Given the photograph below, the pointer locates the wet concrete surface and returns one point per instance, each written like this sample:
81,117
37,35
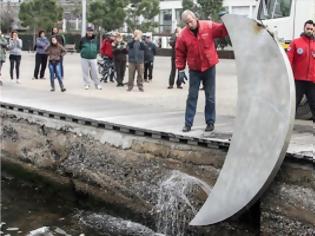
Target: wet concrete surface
157,109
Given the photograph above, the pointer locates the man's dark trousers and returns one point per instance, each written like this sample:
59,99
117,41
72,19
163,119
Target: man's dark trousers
148,68
307,88
172,74
40,62
120,68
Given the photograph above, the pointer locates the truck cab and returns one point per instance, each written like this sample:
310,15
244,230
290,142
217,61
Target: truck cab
285,18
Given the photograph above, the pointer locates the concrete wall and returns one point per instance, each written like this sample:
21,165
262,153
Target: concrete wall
126,171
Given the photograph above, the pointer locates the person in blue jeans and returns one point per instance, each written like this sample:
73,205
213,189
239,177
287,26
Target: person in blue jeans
195,46
55,52
55,32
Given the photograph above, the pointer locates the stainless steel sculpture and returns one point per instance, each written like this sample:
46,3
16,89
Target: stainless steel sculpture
265,115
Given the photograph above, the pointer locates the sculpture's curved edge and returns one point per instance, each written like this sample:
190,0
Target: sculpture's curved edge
200,217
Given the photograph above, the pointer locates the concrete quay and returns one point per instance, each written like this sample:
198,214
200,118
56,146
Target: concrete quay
119,146
157,109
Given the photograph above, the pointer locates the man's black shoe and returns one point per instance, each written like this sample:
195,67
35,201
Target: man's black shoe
186,129
209,128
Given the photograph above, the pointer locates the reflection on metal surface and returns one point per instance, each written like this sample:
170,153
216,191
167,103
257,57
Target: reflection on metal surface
265,115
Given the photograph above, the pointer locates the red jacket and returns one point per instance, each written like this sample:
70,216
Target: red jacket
107,48
200,52
301,53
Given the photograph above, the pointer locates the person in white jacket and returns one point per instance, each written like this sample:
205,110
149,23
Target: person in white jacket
15,48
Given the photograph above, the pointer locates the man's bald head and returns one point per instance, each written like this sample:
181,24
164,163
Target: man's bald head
190,19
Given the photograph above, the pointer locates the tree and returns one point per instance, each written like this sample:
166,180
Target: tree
7,17
77,10
210,8
38,14
188,4
147,9
204,9
108,14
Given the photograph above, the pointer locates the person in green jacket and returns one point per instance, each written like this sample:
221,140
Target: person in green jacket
3,47
88,52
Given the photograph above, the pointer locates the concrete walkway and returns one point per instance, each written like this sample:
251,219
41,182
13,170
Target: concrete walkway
158,108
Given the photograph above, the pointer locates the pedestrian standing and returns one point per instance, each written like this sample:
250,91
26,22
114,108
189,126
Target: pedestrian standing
136,60
301,53
55,52
15,47
61,40
41,56
88,52
173,69
3,47
195,45
107,54
120,58
149,53
106,46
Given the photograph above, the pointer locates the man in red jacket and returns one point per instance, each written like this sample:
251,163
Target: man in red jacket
195,45
301,53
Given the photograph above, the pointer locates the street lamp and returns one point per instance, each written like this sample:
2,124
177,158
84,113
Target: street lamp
83,29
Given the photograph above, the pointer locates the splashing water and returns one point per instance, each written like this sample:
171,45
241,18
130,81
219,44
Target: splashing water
173,207
110,225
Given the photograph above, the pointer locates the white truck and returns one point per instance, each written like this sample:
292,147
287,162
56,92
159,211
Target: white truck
285,19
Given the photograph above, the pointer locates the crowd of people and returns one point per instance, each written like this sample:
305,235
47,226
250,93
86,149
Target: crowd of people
194,45
139,52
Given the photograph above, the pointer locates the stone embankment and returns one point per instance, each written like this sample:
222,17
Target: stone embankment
126,171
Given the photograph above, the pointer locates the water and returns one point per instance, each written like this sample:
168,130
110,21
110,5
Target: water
110,225
33,209
174,208
28,206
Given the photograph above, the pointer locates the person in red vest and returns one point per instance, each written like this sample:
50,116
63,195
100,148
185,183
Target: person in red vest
301,53
107,51
195,45
106,47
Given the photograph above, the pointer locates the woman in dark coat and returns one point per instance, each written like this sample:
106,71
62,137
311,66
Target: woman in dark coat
120,58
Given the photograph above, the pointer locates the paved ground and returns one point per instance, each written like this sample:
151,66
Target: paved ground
157,108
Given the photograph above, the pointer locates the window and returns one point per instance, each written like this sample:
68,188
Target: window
167,17
271,9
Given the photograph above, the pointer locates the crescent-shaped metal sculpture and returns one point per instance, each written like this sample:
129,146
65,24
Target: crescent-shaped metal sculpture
263,125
